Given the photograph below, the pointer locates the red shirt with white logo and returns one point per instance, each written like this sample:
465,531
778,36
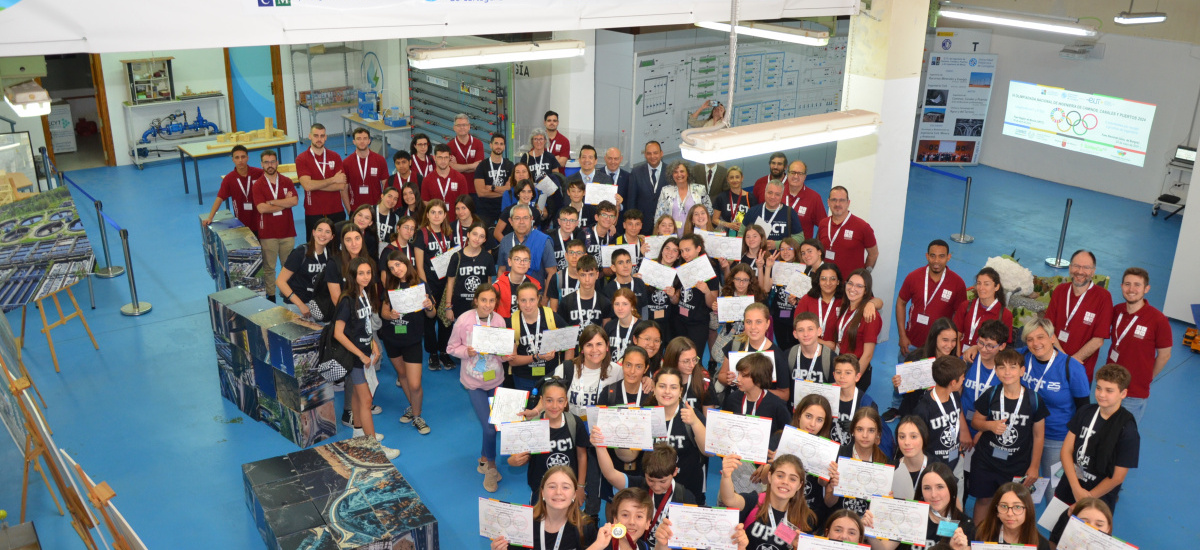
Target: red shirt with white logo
846,244
943,299
1091,319
364,178
276,225
968,318
826,315
236,188
1135,338
560,146
320,167
809,207
446,188
465,154
868,333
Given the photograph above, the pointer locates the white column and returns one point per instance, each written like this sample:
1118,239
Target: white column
572,91
883,71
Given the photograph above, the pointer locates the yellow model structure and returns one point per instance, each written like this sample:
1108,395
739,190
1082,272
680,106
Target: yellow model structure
268,133
10,184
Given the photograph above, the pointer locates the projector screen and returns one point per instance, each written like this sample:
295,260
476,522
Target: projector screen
1109,127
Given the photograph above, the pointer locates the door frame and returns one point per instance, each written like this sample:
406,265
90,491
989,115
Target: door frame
276,89
106,140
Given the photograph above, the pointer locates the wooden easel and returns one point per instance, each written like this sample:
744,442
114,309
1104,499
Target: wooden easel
100,495
37,447
62,320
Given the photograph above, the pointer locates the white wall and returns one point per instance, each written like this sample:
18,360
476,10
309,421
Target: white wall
1153,71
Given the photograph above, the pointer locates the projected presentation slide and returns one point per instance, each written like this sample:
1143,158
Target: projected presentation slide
1110,127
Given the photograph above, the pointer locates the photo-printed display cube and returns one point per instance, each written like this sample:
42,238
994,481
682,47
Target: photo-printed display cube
343,495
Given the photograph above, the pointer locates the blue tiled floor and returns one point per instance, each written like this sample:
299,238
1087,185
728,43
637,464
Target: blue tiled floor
144,412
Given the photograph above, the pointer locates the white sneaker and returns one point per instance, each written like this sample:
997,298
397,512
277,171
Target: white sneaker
358,432
391,454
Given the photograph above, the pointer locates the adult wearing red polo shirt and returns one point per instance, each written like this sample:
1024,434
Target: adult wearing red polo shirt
443,182
1081,312
935,292
321,176
467,151
235,186
807,204
274,196
365,172
1141,339
556,143
848,240
776,164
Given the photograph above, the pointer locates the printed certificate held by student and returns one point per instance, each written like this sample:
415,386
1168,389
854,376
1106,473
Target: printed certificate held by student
900,520
792,277
656,275
814,452
625,427
496,341
656,243
699,527
514,522
442,262
732,308
531,437
831,393
596,193
695,272
810,542
915,375
606,252
559,339
720,246
862,479
658,421
1081,536
408,300
735,434
507,405
976,545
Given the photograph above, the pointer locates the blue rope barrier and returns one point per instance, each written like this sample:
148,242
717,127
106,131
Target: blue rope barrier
94,200
936,171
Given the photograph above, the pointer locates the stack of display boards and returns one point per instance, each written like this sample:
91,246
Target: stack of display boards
232,254
267,361
343,495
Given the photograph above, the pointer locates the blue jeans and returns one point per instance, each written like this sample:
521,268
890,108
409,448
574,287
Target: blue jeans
896,397
1051,450
479,402
1137,406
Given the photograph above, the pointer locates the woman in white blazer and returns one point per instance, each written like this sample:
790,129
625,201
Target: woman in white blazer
675,201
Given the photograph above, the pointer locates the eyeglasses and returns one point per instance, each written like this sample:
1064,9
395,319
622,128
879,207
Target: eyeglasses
1016,508
741,280
855,285
795,173
693,361
516,260
1083,267
607,216
576,253
989,347
567,220
521,218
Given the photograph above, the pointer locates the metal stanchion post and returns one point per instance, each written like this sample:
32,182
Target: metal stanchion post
1058,261
134,307
46,169
962,236
108,271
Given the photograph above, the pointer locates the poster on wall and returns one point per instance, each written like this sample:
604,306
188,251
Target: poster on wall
954,105
1104,126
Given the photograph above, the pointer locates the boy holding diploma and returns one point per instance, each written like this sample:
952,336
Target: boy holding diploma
659,468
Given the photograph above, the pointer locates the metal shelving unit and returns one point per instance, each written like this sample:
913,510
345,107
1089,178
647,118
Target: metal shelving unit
437,95
344,50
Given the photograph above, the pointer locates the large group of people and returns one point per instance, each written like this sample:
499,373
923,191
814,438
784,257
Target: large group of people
526,253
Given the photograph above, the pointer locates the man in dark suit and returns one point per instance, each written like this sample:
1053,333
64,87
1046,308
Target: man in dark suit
587,171
612,167
712,177
647,180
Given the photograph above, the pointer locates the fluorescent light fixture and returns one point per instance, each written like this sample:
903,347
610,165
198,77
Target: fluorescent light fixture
27,99
1020,20
756,139
773,32
442,57
1139,18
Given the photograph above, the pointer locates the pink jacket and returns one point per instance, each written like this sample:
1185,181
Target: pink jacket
460,340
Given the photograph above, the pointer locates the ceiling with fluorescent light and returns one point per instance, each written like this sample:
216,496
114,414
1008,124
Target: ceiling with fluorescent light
1182,24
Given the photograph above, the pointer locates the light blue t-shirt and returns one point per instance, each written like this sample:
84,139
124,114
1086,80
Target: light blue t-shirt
1050,381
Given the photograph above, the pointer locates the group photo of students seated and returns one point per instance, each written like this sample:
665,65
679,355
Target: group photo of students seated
516,243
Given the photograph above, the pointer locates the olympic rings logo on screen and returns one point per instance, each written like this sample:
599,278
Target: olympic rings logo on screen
1073,121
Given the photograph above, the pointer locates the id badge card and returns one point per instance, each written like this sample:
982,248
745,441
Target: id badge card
785,531
684,311
362,190
785,314
922,319
279,213
1113,355
539,371
488,376
247,206
999,453
829,254
660,313
953,455
401,329
946,528
1063,336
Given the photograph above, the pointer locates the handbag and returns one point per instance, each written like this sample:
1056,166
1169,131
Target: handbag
334,360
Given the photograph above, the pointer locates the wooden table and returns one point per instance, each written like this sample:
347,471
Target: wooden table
199,150
375,127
